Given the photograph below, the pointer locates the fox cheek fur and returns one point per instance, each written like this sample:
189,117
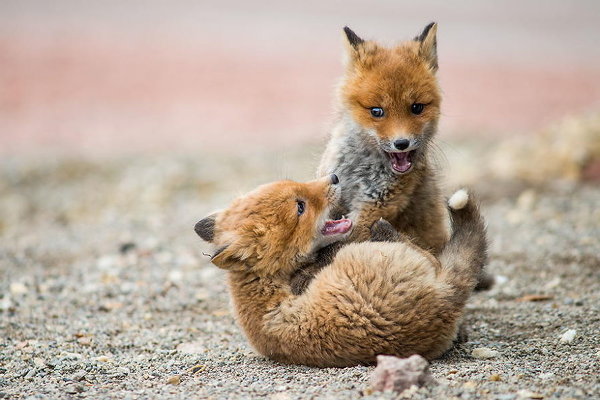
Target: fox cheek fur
255,234
393,80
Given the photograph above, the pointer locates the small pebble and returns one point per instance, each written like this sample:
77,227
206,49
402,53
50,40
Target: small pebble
103,359
85,341
484,353
568,336
74,389
39,362
191,348
399,374
5,303
175,275
79,375
126,247
546,376
500,279
507,396
31,373
280,396
71,356
17,288
470,385
527,394
495,378
197,368
174,380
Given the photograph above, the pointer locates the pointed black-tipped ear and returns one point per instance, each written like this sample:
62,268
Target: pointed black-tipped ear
230,258
205,228
353,38
222,257
218,252
428,45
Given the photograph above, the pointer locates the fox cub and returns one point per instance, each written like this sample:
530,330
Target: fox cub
388,112
390,297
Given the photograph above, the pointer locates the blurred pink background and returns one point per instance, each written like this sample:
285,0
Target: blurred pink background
113,77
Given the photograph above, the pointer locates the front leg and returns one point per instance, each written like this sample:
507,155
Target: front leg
303,276
381,231
363,219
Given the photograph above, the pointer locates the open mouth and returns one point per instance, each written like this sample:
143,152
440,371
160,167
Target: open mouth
336,227
401,162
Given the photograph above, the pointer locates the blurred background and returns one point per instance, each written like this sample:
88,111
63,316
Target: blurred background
114,77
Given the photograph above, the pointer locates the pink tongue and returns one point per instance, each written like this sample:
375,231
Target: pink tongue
400,161
339,226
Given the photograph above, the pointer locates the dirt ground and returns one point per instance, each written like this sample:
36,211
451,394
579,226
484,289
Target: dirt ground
105,293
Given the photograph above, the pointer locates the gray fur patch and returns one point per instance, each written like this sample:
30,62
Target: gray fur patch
365,171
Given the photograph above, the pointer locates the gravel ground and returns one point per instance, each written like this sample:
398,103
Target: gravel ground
105,293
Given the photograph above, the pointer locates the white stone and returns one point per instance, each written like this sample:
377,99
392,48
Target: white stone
17,288
484,353
191,348
500,279
568,336
175,275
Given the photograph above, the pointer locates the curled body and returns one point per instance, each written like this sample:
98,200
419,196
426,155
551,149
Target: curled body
385,296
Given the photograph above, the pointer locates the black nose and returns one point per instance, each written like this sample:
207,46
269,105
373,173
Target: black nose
401,144
334,179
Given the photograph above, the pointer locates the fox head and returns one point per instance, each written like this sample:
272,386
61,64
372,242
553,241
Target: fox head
392,94
274,228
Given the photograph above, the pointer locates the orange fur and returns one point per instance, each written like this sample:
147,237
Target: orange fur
392,79
374,298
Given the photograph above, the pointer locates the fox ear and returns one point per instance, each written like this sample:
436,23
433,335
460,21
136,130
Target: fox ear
353,44
353,38
205,228
231,257
428,45
222,257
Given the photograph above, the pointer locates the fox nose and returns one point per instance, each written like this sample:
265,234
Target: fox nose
334,179
401,144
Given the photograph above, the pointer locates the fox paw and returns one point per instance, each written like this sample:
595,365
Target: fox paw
383,231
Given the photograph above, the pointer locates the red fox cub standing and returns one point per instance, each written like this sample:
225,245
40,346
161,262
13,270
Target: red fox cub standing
388,112
390,297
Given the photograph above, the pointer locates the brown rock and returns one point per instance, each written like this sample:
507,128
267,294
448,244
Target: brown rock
399,374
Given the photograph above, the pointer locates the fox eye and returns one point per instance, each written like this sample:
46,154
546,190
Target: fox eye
417,108
377,112
301,206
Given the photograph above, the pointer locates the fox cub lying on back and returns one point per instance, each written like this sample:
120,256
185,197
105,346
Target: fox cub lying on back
388,112
390,297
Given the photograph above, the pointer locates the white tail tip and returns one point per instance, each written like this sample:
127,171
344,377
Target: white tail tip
459,199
